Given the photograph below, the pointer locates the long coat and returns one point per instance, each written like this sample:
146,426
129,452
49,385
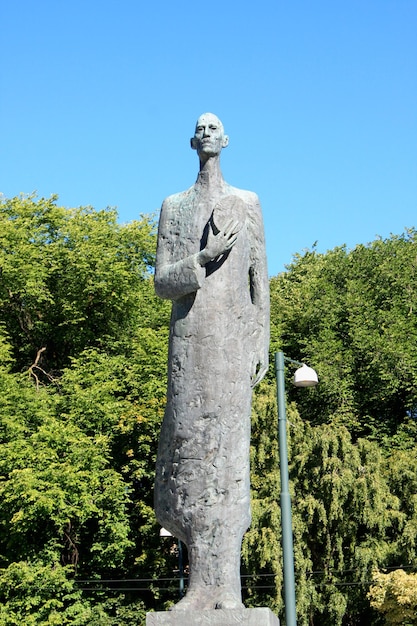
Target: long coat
219,330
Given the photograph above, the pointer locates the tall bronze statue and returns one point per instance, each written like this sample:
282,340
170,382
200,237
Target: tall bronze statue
211,263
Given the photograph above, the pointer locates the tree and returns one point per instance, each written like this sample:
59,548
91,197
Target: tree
69,278
261,550
354,509
83,343
82,390
349,516
61,505
351,316
395,596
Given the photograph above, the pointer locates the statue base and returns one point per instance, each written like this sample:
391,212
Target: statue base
216,617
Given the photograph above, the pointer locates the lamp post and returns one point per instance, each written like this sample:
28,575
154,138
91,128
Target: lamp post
303,377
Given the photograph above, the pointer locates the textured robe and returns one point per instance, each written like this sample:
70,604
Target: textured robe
219,330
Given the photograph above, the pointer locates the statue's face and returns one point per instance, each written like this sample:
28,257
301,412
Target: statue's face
209,137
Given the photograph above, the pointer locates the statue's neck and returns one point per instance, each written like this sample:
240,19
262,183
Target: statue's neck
210,174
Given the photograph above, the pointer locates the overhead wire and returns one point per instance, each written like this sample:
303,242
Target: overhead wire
116,584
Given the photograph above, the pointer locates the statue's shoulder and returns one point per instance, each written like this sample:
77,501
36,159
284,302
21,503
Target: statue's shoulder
177,199
248,196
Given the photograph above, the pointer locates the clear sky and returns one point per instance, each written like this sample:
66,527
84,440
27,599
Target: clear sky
319,97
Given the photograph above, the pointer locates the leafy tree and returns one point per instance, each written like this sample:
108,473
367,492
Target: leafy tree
401,477
343,519
83,343
61,506
82,390
261,550
395,596
35,594
351,316
69,278
354,510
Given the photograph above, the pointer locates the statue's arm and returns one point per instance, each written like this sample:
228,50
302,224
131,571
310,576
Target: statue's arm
259,285
174,277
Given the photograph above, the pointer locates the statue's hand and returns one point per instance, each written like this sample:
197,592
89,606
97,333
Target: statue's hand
220,242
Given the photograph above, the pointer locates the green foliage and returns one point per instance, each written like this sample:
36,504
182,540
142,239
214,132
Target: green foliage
401,476
57,487
34,594
395,596
351,316
83,352
261,550
344,514
354,510
69,278
82,387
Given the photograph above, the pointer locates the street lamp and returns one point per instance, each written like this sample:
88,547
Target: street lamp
304,377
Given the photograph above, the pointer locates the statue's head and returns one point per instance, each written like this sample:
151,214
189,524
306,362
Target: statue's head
209,138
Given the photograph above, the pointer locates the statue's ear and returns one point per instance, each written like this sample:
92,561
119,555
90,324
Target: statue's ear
225,141
193,143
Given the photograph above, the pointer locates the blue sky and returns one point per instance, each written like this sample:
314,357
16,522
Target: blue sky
319,98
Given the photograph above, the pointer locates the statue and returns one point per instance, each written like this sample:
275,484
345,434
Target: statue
211,263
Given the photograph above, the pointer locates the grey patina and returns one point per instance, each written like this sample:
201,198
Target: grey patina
211,263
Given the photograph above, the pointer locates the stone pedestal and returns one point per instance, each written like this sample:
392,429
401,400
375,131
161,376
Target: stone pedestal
218,617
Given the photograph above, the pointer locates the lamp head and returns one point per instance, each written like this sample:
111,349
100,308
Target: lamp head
305,377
